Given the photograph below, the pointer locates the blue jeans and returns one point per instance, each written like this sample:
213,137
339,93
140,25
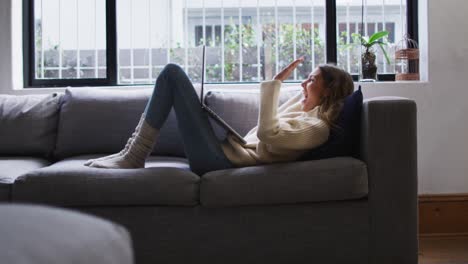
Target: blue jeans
174,89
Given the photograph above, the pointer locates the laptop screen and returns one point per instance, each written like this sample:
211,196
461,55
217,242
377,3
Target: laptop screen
202,76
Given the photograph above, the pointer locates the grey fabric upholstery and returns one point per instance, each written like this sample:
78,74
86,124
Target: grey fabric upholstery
12,167
239,108
341,178
28,124
101,121
165,181
389,149
328,232
41,235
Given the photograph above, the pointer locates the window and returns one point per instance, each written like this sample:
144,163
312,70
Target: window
128,42
69,42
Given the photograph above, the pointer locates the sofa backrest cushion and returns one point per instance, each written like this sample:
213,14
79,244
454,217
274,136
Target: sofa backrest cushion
101,121
344,140
28,124
239,107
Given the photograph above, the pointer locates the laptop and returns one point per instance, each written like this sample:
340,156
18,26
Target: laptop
211,113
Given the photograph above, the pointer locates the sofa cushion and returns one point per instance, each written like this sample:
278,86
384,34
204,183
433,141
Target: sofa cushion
164,181
13,167
341,178
101,121
239,108
44,235
28,124
344,140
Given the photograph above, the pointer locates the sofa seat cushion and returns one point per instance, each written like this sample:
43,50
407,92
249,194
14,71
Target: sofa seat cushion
164,181
341,178
13,167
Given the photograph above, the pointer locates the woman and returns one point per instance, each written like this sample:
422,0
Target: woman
283,133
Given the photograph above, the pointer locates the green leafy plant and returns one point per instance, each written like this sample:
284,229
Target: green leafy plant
368,66
377,38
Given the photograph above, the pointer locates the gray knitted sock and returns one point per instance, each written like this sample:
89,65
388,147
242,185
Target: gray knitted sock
139,149
125,149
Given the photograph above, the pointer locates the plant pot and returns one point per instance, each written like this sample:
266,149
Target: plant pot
369,69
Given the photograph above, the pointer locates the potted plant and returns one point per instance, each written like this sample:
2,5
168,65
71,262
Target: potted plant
368,66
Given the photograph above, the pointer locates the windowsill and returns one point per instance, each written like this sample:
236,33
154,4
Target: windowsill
393,83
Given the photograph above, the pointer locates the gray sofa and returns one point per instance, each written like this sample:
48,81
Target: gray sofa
337,210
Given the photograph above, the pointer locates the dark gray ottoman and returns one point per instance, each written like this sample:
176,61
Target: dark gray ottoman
45,235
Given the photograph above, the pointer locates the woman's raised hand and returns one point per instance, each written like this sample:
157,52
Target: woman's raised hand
284,73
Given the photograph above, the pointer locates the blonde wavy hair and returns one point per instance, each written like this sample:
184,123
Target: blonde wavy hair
338,85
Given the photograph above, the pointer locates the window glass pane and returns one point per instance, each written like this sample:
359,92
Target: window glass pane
286,34
247,41
376,15
70,39
231,43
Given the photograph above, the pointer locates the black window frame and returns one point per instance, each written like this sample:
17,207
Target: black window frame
111,46
30,80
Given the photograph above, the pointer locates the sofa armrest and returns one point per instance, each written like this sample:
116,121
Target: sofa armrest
389,148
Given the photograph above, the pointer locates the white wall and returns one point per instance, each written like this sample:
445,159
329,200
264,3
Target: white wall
442,122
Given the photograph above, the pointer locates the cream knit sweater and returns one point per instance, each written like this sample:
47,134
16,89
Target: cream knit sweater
282,134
